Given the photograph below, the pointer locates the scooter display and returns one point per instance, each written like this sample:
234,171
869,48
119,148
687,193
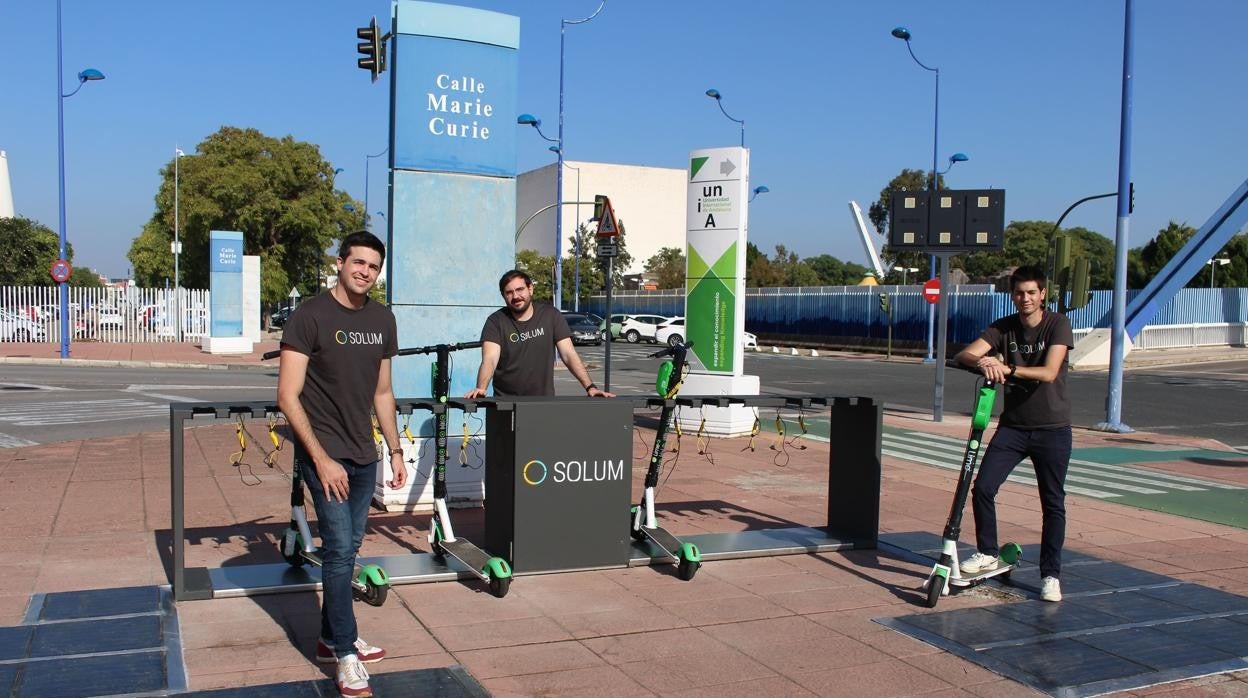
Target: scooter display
369,584
643,523
488,568
946,573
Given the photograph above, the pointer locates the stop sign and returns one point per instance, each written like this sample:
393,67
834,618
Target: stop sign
931,291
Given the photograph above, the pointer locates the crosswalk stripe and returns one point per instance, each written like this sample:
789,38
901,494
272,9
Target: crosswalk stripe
1114,472
1012,478
9,441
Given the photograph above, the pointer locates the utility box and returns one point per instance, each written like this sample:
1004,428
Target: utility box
558,482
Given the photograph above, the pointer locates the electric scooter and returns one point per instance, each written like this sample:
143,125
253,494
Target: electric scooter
947,573
488,568
369,584
643,525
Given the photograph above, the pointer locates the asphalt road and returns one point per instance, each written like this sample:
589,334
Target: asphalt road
44,404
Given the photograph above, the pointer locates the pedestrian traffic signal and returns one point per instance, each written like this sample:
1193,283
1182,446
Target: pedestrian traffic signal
885,303
600,203
373,48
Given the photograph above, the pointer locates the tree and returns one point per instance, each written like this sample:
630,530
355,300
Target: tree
907,180
759,271
792,270
668,265
540,268
834,272
30,248
591,274
278,192
1156,253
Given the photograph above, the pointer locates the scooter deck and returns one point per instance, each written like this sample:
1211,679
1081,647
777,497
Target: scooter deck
967,580
660,537
474,558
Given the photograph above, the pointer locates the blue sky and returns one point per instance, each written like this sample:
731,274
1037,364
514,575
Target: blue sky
834,105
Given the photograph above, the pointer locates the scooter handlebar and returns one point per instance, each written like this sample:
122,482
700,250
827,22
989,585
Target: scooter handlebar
434,347
270,354
671,351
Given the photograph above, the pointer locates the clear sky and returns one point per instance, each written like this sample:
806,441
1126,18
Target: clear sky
834,106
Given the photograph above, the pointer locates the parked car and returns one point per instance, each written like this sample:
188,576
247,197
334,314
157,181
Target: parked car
278,317
617,319
585,330
673,333
17,327
638,327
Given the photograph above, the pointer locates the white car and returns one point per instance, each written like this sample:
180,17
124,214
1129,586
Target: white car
18,327
673,333
638,327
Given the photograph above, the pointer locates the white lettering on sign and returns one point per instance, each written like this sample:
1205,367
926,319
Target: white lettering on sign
227,255
463,103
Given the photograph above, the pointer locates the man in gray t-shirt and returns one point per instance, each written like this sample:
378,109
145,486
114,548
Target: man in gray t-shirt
1032,345
518,344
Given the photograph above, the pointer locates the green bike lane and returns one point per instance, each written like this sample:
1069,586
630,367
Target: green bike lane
1140,475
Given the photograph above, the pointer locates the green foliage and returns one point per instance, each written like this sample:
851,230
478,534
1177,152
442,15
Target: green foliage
278,192
30,248
83,276
669,267
834,272
907,180
541,268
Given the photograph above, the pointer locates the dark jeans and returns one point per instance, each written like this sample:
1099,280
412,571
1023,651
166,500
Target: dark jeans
1049,450
341,526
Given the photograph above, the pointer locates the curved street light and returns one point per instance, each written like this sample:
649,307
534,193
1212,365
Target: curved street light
955,159
760,189
719,99
84,76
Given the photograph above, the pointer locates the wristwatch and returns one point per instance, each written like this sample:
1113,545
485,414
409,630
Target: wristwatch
590,387
396,450
1013,369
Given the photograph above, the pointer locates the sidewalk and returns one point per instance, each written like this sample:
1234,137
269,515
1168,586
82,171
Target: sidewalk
83,515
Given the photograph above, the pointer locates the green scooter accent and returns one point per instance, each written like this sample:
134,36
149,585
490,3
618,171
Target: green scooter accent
663,379
375,585
1010,553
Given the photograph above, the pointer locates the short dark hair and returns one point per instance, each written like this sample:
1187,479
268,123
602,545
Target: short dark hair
514,273
1028,273
361,238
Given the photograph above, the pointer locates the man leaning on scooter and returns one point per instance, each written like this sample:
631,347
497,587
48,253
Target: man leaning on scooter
1032,345
335,373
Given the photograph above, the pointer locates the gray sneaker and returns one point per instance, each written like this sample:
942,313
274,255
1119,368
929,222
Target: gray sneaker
979,562
1050,589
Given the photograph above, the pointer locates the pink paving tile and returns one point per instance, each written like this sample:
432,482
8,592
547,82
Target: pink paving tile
793,582
669,588
750,635
726,610
688,671
596,681
625,649
253,677
527,659
829,654
952,670
832,598
500,633
13,608
581,600
770,686
249,657
201,635
1002,688
449,603
617,622
880,680
896,644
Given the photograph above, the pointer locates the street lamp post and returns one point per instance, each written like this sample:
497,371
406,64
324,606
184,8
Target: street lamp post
367,226
563,24
177,248
719,99
576,282
904,34
83,77
903,271
1214,264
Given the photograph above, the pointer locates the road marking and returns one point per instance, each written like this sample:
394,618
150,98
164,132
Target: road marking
31,386
80,412
7,441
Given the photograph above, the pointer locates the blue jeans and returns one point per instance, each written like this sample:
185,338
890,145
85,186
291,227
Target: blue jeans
341,526
1049,450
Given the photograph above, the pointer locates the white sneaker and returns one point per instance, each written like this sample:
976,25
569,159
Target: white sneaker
979,562
353,678
366,652
1050,589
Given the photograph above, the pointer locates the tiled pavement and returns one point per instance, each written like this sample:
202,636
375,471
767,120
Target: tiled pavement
83,515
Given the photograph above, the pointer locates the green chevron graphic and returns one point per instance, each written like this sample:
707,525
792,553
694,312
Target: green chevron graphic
694,165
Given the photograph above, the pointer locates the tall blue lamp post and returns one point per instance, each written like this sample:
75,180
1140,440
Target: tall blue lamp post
904,34
536,123
719,99
84,77
558,149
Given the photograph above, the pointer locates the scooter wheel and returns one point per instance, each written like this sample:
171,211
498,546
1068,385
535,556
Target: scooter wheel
499,586
688,568
373,595
935,587
634,532
295,559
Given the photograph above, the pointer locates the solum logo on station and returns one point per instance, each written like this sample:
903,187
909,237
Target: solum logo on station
536,472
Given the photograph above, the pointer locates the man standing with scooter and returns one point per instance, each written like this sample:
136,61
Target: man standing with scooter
1035,423
335,372
518,341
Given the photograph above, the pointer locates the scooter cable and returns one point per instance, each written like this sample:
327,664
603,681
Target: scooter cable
679,432
779,446
753,431
801,422
704,441
463,444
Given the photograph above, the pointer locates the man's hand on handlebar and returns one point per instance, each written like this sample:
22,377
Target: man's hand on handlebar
475,393
595,391
993,368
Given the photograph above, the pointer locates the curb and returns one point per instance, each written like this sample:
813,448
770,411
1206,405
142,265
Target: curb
119,363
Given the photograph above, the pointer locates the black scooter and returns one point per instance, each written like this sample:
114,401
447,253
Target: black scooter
643,525
947,572
488,568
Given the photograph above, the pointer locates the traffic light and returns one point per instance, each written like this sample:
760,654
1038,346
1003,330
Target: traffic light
1080,284
600,202
373,48
885,303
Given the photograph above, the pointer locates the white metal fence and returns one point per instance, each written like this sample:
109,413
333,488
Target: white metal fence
107,314
1196,334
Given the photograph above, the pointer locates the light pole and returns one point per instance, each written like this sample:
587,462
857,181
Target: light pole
576,283
1214,264
904,34
366,159
760,189
955,159
536,123
563,25
903,271
177,248
83,77
719,99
